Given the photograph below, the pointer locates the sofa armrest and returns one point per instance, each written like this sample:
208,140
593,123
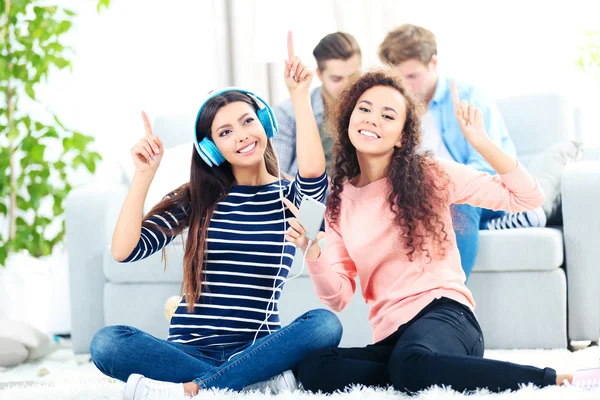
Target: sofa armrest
581,215
91,212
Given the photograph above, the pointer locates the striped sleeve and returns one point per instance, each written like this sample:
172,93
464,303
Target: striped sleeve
152,238
312,187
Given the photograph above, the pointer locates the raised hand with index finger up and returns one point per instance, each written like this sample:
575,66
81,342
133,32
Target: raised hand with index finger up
148,152
297,75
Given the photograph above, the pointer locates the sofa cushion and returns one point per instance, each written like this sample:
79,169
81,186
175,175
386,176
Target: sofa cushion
140,305
521,310
148,270
12,352
532,130
527,249
37,343
299,297
173,172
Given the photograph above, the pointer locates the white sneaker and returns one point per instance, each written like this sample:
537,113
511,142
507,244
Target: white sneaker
587,378
140,388
284,382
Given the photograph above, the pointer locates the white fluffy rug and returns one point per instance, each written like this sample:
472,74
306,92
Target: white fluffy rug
68,380
113,391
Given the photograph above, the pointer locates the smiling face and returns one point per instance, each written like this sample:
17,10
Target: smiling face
377,121
239,135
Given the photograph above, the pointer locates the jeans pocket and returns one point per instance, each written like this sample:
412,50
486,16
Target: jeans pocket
479,344
479,347
452,315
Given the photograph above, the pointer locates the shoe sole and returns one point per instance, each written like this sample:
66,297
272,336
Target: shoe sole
290,381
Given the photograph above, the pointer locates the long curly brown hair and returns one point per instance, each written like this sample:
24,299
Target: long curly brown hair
419,187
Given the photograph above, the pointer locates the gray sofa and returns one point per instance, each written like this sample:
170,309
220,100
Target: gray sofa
534,288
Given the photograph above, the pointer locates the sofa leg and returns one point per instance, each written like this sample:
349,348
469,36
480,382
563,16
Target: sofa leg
580,345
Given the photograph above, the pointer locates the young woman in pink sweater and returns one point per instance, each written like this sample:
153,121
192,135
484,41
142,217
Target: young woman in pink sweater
389,222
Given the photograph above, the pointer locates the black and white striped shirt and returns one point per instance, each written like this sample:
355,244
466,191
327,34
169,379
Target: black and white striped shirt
247,258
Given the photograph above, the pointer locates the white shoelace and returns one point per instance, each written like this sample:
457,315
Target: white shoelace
588,383
160,390
585,384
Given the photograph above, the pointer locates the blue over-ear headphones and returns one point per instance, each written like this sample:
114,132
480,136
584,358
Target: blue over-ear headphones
208,150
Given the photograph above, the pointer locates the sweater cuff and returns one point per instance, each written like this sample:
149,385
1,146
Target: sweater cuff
317,266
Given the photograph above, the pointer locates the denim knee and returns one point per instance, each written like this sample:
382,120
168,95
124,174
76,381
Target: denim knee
104,344
326,328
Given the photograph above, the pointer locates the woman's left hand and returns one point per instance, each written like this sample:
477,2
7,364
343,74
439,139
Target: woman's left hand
469,118
297,75
295,234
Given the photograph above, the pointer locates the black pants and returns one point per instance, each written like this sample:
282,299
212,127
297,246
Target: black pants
442,345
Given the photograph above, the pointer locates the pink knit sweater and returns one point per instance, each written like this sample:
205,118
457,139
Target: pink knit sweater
366,243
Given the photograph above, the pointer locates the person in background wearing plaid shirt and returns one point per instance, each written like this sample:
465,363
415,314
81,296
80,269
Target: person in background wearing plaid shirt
338,61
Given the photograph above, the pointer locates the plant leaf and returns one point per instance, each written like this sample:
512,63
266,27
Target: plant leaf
102,3
37,153
13,133
29,90
23,204
3,255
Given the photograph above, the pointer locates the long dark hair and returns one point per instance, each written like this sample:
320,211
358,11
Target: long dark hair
199,197
418,184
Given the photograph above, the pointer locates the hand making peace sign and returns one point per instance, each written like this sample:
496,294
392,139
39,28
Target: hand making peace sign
469,118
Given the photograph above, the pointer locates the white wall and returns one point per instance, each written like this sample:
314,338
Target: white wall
147,55
510,46
137,55
506,47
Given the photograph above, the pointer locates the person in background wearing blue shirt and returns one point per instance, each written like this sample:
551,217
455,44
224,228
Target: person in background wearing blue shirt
411,53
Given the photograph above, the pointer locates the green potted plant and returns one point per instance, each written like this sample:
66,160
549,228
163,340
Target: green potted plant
38,153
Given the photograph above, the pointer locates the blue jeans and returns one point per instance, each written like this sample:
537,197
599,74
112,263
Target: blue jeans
468,220
442,345
119,351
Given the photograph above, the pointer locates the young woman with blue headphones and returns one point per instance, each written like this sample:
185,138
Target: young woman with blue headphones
226,331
